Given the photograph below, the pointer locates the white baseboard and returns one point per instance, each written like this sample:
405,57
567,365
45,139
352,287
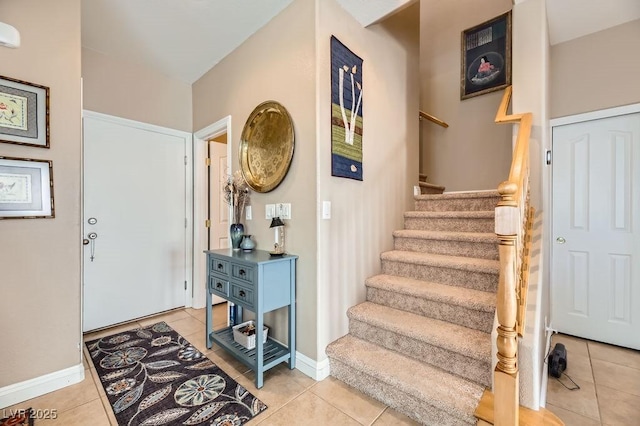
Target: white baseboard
18,392
316,370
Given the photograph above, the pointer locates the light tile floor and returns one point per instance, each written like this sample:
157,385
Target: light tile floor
609,378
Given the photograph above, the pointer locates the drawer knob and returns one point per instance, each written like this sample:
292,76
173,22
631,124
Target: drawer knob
242,272
219,285
220,265
242,293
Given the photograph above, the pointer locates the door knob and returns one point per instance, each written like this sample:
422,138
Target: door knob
560,240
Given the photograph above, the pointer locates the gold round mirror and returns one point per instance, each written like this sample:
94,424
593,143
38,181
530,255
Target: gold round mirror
266,146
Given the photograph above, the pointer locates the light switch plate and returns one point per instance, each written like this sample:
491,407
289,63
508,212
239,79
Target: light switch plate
286,211
270,211
248,213
326,209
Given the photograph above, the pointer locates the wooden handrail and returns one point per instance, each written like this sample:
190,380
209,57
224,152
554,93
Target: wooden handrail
514,219
433,119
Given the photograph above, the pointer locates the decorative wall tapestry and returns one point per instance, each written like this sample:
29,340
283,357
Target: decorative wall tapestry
346,112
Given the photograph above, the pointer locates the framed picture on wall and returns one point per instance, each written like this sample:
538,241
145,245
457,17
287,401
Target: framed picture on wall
24,113
486,57
26,188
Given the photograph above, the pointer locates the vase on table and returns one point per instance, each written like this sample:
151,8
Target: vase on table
236,232
247,243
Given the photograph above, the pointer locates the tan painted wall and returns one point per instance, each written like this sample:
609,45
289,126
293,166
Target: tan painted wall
531,94
596,71
364,214
124,89
276,63
473,153
40,259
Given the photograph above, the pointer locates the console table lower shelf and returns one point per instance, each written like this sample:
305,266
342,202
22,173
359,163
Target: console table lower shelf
273,352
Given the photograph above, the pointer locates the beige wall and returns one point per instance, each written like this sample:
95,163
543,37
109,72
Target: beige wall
473,153
364,214
531,94
276,63
596,71
124,89
40,258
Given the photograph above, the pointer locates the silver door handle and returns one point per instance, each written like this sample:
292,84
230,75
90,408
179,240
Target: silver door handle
560,240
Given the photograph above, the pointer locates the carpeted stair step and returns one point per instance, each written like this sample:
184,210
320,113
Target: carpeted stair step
421,391
458,201
478,274
456,349
467,244
463,306
453,221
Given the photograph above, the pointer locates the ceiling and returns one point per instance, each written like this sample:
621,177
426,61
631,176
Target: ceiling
184,39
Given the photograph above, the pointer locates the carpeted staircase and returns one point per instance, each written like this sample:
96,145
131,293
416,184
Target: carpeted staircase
421,342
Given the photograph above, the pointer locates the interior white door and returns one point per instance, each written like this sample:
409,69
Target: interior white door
218,209
596,230
135,189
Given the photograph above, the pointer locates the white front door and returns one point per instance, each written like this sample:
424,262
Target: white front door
595,288
135,191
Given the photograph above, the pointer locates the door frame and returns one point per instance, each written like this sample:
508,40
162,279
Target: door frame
200,140
188,161
548,175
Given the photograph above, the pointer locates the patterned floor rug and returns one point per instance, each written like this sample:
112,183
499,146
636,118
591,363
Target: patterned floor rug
154,376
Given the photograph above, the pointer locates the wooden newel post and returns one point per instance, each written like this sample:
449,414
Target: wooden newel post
506,401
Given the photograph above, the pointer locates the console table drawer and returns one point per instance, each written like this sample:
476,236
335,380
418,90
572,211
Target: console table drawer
218,286
242,272
242,295
218,265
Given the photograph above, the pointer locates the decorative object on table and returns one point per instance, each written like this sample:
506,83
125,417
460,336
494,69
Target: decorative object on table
266,146
153,376
486,57
245,334
237,195
26,188
24,113
278,226
247,243
233,313
346,112
236,232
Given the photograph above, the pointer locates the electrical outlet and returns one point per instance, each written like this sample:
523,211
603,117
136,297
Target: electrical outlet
248,213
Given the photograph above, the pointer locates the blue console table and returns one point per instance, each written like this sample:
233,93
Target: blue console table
260,283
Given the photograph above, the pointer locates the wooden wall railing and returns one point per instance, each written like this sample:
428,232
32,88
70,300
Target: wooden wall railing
433,119
514,219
